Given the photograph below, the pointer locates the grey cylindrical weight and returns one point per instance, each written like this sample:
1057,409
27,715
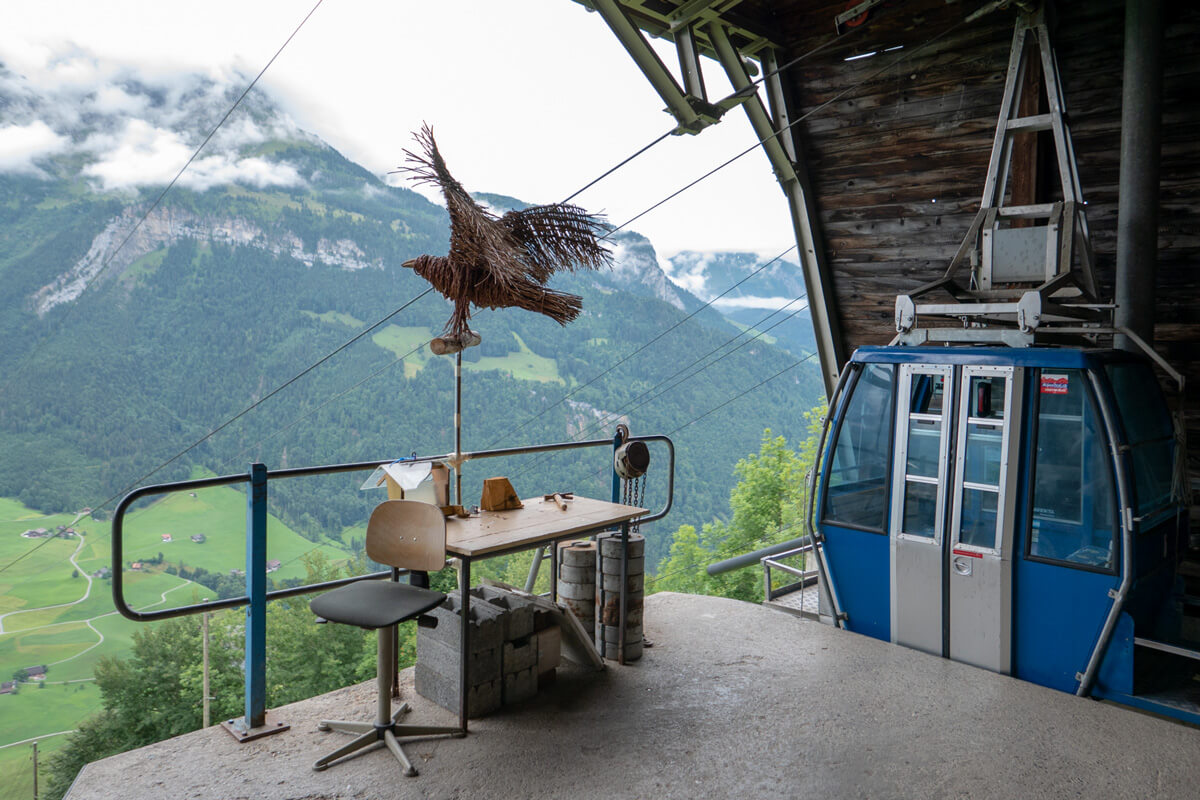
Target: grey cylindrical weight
632,634
612,583
585,612
610,545
633,651
585,575
612,566
585,592
577,554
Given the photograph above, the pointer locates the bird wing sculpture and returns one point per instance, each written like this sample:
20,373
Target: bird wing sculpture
499,262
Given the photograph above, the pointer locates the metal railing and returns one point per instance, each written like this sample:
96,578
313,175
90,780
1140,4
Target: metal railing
799,595
256,596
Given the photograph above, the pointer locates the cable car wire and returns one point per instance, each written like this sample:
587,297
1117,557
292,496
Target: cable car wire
236,416
627,357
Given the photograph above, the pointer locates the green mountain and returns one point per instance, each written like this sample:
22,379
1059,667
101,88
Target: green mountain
124,344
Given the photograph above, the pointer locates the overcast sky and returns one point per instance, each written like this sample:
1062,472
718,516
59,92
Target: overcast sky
530,98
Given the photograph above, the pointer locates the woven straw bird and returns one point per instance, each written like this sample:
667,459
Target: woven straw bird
498,262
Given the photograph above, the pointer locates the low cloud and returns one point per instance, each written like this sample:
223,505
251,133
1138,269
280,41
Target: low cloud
23,145
766,303
134,126
146,155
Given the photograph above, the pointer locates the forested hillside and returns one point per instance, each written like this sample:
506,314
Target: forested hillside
119,354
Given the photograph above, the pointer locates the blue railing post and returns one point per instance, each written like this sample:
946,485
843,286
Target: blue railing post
256,590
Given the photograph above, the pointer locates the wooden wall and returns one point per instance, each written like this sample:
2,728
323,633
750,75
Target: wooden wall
898,158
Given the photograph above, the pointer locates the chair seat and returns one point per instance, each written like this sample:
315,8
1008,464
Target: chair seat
375,604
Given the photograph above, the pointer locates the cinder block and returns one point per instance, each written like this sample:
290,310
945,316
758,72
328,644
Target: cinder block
519,686
486,631
518,656
610,544
482,698
516,616
444,659
549,650
612,566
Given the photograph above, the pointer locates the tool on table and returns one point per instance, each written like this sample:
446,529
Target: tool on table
560,499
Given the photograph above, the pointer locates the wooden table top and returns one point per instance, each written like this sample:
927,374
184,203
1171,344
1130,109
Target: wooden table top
539,521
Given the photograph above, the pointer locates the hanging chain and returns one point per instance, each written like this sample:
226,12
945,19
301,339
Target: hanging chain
632,491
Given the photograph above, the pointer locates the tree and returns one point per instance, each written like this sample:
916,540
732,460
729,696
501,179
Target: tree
768,505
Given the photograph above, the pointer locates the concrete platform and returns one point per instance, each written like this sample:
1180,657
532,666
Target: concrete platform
733,700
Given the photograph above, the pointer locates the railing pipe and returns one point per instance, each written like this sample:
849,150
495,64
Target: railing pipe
118,522
1125,512
746,559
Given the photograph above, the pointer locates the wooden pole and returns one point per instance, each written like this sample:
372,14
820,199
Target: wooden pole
35,785
204,627
458,428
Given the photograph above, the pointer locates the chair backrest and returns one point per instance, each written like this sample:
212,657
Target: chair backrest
407,534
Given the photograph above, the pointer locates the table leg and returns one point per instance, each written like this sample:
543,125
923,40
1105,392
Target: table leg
465,648
624,592
554,570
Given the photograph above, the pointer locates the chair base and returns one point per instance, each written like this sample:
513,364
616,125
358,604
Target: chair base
370,733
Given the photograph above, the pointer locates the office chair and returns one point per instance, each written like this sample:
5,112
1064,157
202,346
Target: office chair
401,534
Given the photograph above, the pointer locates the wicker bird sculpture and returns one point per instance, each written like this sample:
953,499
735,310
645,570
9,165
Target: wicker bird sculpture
500,262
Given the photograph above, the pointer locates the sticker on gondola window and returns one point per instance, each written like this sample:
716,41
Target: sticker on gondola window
1054,384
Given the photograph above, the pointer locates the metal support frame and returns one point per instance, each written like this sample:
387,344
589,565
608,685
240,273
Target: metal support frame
1141,140
1032,292
691,111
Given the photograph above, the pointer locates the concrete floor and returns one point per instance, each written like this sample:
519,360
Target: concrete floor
733,700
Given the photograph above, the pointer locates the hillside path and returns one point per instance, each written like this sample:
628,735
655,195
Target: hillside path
87,592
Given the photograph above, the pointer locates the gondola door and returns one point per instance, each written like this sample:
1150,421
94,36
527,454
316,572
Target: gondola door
982,517
919,479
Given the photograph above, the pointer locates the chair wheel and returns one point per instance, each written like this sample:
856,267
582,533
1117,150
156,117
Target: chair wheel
322,726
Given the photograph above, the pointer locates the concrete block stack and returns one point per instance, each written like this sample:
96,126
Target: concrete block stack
577,580
515,648
608,594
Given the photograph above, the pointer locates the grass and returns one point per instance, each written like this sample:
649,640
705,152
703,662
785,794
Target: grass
405,342
16,766
144,266
61,637
523,365
335,318
764,337
220,515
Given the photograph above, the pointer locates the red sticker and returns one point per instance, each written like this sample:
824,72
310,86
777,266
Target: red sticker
1054,384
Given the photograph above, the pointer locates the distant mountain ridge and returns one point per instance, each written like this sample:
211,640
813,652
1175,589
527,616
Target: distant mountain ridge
269,253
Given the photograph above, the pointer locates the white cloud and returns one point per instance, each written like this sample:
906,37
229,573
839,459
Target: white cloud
143,154
22,145
766,303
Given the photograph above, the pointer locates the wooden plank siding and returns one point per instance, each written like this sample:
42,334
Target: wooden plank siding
905,128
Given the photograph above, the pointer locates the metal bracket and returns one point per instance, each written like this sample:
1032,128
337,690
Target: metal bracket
238,730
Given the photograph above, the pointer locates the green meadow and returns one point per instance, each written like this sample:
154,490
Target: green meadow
523,364
50,618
